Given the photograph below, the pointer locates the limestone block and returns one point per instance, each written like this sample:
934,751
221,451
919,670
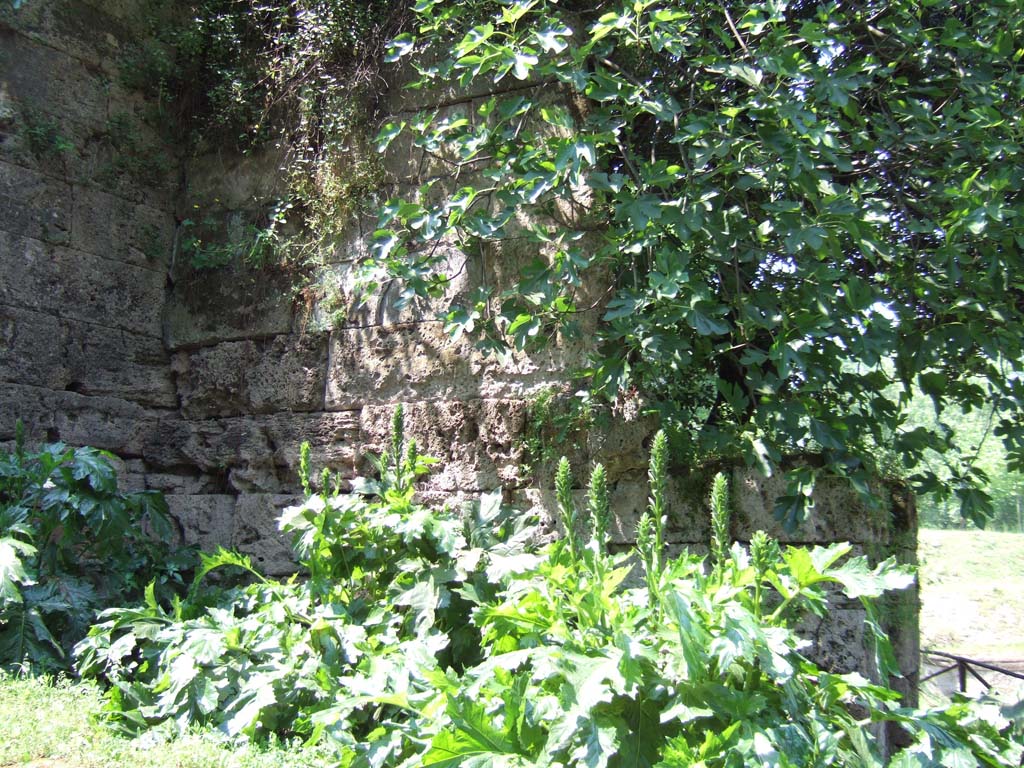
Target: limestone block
408,160
129,365
285,373
228,181
80,286
255,532
226,305
184,481
46,351
476,441
258,454
839,515
91,32
35,205
623,447
104,422
421,361
394,364
206,520
52,82
119,229
32,349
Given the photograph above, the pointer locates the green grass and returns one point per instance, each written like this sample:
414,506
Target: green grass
972,592
46,724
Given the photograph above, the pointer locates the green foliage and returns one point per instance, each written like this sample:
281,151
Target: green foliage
132,155
423,639
71,544
390,586
43,135
294,78
778,197
552,421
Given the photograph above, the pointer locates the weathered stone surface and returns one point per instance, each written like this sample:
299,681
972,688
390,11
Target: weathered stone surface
51,82
476,441
227,304
35,205
422,361
119,229
391,365
838,514
255,532
206,520
104,422
32,348
81,286
285,373
229,182
257,454
94,33
46,351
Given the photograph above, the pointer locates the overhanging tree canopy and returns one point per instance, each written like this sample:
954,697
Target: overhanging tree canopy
802,210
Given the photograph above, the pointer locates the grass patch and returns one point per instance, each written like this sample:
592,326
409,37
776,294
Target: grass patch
55,724
972,591
972,604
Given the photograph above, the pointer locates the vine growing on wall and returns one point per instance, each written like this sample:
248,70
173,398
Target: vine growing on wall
298,79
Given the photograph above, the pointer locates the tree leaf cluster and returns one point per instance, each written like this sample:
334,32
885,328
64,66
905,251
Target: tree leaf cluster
774,198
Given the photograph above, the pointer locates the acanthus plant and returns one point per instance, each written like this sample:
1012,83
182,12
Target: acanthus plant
426,638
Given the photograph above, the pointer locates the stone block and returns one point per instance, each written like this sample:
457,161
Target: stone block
257,454
46,351
32,349
35,205
110,423
226,181
205,520
93,33
374,365
50,82
838,515
119,363
184,481
421,361
476,441
226,304
255,532
80,286
119,229
285,373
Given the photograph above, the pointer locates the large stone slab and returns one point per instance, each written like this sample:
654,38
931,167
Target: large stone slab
285,373
104,422
255,532
34,204
227,304
476,441
93,33
51,82
46,351
838,513
206,520
421,361
120,229
257,454
81,286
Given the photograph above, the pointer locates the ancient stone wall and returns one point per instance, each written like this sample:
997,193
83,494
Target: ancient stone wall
86,229
205,382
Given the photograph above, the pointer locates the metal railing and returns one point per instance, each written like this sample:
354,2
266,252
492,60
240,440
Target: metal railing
965,666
